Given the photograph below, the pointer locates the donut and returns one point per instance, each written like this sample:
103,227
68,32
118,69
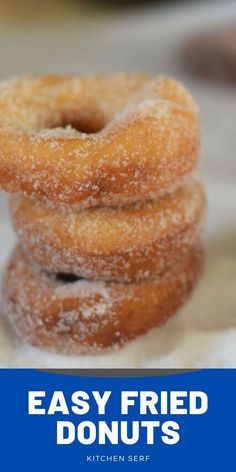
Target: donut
127,243
78,316
211,54
96,140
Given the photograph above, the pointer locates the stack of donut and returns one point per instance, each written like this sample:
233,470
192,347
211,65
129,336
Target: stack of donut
107,206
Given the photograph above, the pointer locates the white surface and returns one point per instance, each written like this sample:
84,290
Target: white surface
203,334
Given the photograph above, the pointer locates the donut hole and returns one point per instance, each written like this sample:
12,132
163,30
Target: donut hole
67,278
83,122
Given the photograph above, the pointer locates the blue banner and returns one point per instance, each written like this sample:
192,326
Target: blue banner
53,421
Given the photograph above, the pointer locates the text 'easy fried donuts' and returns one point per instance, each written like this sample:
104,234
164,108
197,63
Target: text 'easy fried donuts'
86,316
126,243
131,137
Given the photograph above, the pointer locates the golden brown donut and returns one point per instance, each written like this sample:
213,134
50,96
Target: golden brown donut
132,137
128,243
87,317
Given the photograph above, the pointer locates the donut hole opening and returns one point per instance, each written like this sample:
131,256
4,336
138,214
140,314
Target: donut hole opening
87,123
67,278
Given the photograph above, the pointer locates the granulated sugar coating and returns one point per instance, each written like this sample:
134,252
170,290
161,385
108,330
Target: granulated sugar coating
130,136
87,316
203,334
135,242
121,144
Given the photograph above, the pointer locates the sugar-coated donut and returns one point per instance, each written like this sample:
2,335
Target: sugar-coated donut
85,316
131,137
126,243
